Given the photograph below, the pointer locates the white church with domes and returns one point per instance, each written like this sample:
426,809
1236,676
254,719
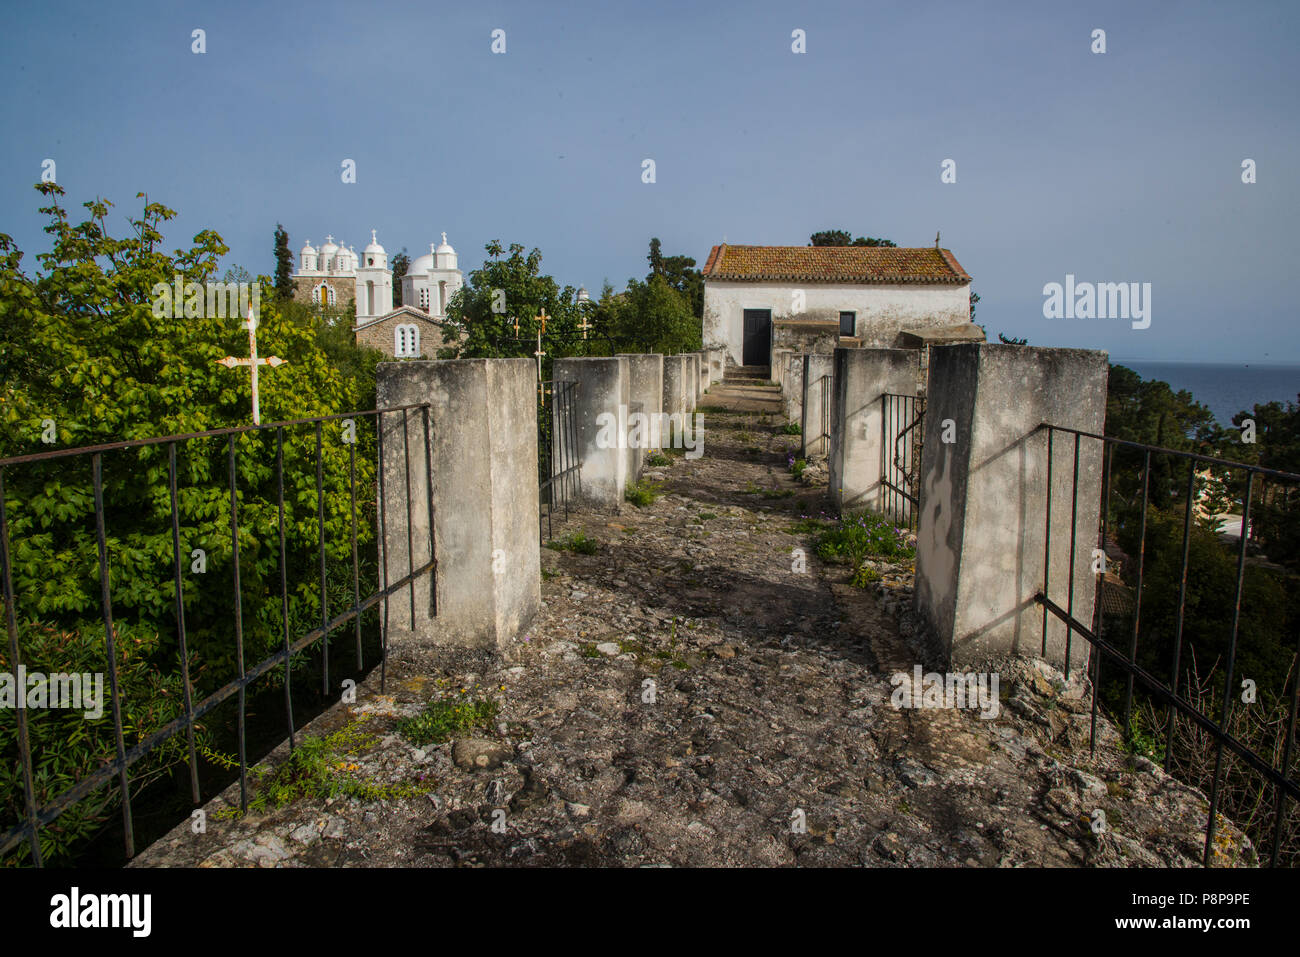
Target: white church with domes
335,275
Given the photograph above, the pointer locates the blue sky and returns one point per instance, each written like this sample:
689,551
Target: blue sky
1118,167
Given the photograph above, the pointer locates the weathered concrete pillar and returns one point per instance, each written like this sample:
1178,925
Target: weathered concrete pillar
678,398
780,359
792,388
693,387
816,366
645,396
717,363
674,389
984,518
482,457
860,448
706,376
603,390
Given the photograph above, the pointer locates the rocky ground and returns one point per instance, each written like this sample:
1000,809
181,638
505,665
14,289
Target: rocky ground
688,696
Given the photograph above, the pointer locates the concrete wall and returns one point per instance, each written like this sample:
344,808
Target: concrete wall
805,335
674,388
780,360
482,455
603,387
694,381
646,396
858,455
706,375
792,388
814,368
882,309
717,363
980,540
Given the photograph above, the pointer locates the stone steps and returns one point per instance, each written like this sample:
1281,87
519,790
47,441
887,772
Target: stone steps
741,373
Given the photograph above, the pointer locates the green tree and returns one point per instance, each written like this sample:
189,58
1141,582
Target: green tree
482,313
681,274
839,237
653,316
401,263
1275,504
283,264
90,349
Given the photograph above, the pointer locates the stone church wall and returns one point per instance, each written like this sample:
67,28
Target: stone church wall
345,288
380,335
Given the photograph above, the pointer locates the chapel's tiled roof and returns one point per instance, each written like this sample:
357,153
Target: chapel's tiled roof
400,312
852,264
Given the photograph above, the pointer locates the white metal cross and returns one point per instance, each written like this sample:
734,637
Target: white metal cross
541,389
231,362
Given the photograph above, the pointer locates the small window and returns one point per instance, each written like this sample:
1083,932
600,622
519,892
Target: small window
848,323
406,341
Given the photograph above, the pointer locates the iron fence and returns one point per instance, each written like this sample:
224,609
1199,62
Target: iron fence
818,431
559,464
901,430
1143,501
36,814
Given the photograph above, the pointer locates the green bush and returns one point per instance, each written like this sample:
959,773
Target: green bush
642,494
579,542
862,535
67,746
443,719
792,428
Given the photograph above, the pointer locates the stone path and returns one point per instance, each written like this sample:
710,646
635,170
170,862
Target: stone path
687,698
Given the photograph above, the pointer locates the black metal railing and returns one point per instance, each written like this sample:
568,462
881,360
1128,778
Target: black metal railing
818,430
1152,490
901,432
143,468
559,461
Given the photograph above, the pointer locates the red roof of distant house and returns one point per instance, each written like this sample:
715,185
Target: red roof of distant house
850,264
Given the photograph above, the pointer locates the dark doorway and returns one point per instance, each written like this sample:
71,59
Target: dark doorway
758,337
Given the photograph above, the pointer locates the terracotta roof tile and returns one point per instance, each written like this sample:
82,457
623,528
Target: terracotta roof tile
851,264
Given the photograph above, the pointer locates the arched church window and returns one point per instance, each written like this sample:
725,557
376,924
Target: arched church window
406,341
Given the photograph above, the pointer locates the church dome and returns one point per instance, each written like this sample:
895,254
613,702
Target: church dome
445,256
327,254
374,246
420,265
307,249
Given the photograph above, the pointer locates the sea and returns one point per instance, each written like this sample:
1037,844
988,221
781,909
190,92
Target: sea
1224,388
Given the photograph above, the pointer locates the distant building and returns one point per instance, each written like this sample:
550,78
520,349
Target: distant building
335,276
327,275
758,299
